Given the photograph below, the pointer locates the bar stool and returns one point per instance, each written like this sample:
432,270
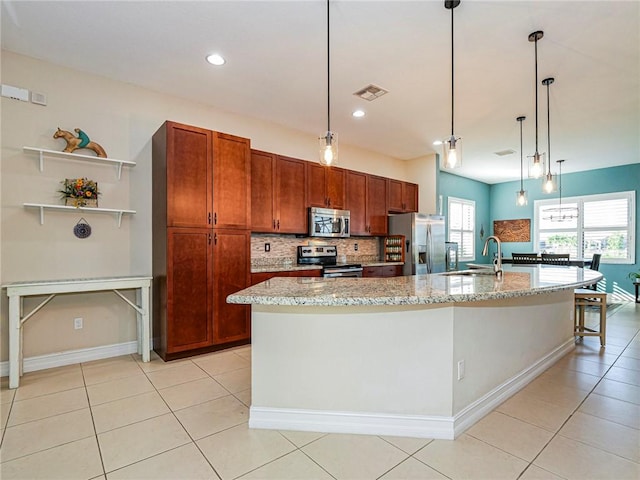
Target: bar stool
584,298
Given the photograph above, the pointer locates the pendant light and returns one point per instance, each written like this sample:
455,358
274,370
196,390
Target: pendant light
452,148
329,141
521,196
548,185
536,168
560,213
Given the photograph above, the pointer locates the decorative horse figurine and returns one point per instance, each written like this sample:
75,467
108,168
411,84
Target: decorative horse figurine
81,141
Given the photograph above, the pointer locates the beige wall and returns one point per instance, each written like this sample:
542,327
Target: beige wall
122,118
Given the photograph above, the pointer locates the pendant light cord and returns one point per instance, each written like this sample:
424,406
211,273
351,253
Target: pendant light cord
560,186
452,74
521,169
536,90
548,129
328,74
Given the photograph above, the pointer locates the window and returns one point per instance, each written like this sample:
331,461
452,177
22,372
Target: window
462,227
603,224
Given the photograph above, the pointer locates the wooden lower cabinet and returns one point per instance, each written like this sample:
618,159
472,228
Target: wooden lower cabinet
263,276
203,267
189,292
231,267
382,271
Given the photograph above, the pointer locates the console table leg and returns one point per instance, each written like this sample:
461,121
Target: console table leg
15,343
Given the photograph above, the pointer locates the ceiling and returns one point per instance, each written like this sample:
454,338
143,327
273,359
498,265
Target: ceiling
276,68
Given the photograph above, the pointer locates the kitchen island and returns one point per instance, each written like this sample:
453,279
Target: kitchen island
421,356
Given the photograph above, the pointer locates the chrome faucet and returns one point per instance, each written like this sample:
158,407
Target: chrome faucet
497,263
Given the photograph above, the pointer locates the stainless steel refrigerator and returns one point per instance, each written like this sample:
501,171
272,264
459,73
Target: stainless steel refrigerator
424,242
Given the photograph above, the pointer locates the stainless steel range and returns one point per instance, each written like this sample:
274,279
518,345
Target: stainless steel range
327,256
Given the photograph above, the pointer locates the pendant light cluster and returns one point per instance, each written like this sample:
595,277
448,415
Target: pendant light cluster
328,141
452,148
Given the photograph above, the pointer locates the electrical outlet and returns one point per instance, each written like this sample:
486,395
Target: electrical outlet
460,369
77,323
267,247
355,247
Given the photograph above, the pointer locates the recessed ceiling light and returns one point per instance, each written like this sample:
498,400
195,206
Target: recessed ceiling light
215,59
358,113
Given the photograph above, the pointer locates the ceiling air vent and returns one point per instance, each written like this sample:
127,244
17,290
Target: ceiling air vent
371,92
504,153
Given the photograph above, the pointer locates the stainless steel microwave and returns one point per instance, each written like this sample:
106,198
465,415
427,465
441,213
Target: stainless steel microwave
328,222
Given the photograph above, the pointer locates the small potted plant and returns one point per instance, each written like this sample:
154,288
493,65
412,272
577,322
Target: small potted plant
635,276
80,192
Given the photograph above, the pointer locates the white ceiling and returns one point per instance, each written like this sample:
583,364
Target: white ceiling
276,68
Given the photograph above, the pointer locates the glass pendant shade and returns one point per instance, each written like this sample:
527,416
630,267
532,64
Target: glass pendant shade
521,198
329,149
452,151
537,165
549,185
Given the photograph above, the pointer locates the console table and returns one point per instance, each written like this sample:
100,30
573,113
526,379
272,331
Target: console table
18,290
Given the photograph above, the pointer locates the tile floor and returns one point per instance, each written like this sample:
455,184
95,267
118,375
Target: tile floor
123,419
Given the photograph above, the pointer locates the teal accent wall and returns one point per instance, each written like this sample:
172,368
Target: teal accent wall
606,180
450,185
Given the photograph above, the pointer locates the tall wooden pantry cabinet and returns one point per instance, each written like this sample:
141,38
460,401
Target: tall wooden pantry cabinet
201,239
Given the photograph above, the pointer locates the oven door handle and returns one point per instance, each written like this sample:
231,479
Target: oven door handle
342,270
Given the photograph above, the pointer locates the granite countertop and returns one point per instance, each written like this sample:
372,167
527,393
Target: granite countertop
415,290
291,267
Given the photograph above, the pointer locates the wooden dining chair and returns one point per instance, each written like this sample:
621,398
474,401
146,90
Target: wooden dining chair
524,258
595,265
555,258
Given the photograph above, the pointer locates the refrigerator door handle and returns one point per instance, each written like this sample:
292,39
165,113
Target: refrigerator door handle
407,242
429,249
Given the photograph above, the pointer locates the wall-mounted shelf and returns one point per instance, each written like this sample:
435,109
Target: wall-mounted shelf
76,156
119,212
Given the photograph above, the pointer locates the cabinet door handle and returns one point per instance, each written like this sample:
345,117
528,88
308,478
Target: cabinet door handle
209,239
215,218
209,218
274,223
328,202
278,224
215,238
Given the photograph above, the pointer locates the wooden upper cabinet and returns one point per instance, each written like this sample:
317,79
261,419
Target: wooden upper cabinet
290,196
326,186
316,185
278,197
356,202
232,181
189,175
403,196
189,289
263,174
410,197
231,268
377,205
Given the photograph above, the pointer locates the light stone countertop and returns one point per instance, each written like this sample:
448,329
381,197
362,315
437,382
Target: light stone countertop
415,290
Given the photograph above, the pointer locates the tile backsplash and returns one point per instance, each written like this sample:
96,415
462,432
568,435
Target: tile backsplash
283,249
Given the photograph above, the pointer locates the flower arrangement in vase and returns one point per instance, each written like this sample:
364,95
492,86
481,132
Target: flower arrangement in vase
80,192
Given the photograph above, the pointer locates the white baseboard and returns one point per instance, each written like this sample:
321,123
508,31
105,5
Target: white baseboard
60,359
484,405
421,426
352,422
